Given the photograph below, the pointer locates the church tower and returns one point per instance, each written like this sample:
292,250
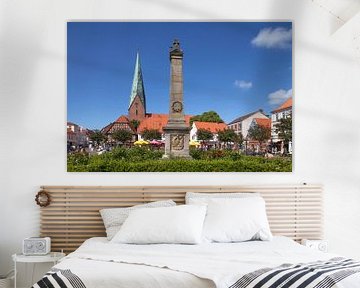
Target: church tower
137,105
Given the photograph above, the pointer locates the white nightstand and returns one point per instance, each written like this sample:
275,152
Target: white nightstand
320,245
53,257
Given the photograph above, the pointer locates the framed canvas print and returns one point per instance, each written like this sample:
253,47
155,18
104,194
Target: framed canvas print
179,96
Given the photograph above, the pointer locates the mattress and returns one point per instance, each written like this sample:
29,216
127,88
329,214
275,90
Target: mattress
99,263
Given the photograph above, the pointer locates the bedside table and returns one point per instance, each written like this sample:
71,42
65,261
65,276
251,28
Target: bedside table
53,257
320,245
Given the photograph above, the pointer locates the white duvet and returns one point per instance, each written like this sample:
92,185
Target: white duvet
100,263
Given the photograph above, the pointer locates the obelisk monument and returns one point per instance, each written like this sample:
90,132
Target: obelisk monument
176,131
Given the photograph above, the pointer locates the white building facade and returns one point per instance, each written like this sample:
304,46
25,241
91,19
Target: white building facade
214,128
242,124
283,111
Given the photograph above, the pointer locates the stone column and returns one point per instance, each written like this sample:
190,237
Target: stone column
177,132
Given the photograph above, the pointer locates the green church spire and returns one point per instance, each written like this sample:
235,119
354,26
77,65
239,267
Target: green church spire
138,84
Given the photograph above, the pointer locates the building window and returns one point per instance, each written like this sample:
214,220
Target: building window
136,112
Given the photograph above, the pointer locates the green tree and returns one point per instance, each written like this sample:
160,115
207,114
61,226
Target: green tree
259,133
97,137
204,134
229,135
284,129
238,139
122,136
150,134
210,116
135,124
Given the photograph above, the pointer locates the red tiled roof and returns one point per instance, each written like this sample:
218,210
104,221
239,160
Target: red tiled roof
287,104
107,128
157,121
122,119
211,126
119,121
264,122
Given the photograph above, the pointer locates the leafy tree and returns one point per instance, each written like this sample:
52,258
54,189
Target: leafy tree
204,134
229,135
284,129
259,133
97,137
238,139
135,124
210,116
149,134
122,135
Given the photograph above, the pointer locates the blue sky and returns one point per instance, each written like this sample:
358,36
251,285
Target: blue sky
232,68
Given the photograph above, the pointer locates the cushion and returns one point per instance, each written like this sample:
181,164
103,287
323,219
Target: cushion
203,198
113,218
236,220
172,225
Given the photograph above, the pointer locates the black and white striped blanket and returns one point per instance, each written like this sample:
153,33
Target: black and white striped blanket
59,278
320,274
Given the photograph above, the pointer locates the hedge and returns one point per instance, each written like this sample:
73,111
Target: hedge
107,163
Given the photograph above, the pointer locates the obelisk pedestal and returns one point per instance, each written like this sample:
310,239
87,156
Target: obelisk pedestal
177,132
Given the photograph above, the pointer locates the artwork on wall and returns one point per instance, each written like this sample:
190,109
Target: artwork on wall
179,97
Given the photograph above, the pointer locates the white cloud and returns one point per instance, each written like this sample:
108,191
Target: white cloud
243,84
273,38
279,96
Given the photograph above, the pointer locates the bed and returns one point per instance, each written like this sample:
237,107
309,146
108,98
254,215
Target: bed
294,211
99,263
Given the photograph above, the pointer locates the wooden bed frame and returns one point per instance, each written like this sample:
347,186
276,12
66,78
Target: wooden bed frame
73,214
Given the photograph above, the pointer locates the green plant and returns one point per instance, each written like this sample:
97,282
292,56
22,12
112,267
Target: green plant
97,137
78,158
122,135
204,134
210,116
284,129
150,134
229,135
259,133
195,153
144,160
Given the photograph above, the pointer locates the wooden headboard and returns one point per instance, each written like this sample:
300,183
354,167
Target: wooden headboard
73,214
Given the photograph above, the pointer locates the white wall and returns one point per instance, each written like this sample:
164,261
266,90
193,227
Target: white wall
33,108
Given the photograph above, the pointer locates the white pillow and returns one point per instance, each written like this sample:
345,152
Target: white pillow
180,224
204,198
236,220
113,218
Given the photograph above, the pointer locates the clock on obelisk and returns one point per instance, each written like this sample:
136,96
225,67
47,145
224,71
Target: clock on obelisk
177,132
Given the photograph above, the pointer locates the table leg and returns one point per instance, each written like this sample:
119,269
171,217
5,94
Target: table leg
26,272
15,272
32,274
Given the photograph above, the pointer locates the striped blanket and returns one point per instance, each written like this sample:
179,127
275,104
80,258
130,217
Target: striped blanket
59,278
320,274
